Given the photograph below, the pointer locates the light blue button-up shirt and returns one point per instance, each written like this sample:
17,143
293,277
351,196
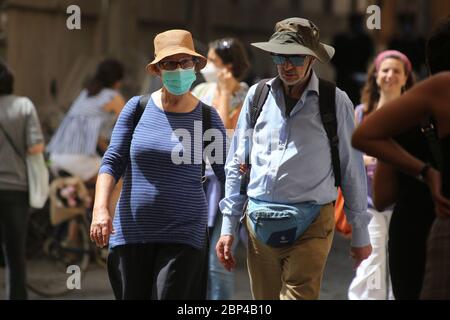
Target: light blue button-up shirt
291,159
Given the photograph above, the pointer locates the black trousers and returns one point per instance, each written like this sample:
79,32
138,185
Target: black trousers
408,234
13,229
158,271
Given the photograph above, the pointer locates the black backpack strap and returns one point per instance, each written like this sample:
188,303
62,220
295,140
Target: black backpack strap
256,105
259,98
428,128
206,125
143,100
327,106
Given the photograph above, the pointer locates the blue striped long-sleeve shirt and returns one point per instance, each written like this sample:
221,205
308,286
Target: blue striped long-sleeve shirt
162,198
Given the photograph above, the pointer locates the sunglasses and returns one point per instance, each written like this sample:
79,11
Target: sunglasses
171,65
295,60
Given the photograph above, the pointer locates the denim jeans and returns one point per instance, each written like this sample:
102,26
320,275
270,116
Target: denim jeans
13,223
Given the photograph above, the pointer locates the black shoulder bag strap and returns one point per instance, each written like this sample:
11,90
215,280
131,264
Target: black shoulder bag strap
143,100
259,99
10,140
206,125
428,128
327,106
206,122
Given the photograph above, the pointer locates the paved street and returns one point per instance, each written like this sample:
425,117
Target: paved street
337,277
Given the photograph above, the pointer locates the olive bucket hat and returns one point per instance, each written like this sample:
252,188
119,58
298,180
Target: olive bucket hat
297,36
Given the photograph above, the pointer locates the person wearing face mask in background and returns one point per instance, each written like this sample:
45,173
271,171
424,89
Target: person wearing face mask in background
226,67
388,77
158,239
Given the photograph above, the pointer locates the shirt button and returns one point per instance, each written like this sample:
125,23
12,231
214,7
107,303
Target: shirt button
268,192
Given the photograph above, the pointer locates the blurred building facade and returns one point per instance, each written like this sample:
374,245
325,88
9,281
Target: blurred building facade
51,62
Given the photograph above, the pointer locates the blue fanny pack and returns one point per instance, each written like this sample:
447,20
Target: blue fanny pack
279,225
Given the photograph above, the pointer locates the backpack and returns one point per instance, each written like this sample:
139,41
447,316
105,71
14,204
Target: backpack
327,107
206,121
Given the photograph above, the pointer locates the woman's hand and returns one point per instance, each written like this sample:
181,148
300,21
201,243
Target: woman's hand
225,81
101,227
35,149
441,203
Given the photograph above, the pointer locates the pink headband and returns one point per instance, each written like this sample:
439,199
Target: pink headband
393,53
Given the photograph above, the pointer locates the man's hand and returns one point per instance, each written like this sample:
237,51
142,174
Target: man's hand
223,251
358,254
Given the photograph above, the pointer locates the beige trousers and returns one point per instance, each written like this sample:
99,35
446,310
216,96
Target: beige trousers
293,272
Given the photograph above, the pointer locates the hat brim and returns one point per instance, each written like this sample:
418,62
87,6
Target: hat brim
324,52
173,50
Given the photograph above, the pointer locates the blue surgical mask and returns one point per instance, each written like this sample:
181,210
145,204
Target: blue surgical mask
178,81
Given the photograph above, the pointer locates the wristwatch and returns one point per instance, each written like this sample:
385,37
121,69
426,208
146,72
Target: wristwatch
423,173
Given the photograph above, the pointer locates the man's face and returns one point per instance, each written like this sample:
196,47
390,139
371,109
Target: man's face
292,69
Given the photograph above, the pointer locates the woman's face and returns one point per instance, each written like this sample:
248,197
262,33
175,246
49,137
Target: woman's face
176,61
214,58
214,67
391,76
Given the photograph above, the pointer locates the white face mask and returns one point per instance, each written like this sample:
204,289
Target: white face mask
210,72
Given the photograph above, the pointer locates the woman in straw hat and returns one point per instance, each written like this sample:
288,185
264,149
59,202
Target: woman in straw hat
158,242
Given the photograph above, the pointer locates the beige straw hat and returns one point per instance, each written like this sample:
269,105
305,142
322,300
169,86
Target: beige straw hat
174,42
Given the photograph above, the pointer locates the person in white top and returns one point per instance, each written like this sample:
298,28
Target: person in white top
387,79
227,65
78,143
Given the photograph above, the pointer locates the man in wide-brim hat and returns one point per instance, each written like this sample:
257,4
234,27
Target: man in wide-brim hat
292,174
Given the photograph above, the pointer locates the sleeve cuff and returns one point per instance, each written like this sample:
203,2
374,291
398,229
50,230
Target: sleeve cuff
105,169
230,225
360,237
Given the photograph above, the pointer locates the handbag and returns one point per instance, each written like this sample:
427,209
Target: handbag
342,225
37,175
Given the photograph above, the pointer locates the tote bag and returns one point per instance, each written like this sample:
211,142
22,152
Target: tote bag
38,180
37,175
